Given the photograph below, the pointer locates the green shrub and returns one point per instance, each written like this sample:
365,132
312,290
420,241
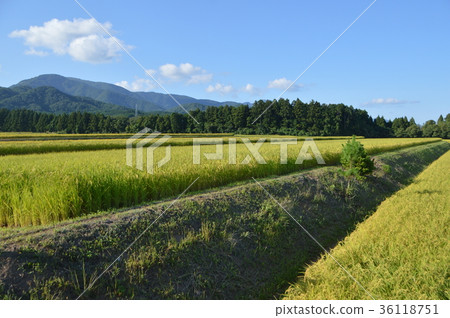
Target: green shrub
355,160
387,168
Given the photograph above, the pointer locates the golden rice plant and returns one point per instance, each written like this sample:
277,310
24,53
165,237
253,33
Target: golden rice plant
46,188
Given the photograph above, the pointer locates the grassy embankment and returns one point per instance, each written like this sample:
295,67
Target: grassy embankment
47,188
400,252
230,244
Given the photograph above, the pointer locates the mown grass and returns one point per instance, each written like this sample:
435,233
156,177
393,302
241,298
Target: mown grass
43,189
229,244
401,252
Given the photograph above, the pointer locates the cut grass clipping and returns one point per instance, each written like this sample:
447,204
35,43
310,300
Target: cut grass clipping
401,252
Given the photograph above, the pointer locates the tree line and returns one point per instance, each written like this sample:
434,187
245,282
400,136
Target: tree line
282,117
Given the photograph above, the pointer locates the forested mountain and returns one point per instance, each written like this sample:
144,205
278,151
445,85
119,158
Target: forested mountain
283,117
109,93
50,100
6,93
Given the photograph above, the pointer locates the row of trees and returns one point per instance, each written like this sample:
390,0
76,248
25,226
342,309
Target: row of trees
73,123
282,117
401,127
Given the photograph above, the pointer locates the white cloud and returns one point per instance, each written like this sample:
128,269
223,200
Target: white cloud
220,88
230,90
250,89
200,78
138,85
151,72
283,83
388,101
185,72
82,39
33,51
93,49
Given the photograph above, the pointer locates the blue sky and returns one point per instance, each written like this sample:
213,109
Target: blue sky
393,61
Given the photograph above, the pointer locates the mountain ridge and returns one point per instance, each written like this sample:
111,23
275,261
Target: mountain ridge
114,94
48,99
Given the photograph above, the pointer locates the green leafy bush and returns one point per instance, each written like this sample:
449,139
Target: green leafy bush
387,168
355,160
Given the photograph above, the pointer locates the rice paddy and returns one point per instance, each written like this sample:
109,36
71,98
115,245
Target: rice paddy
46,188
20,144
401,252
232,243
